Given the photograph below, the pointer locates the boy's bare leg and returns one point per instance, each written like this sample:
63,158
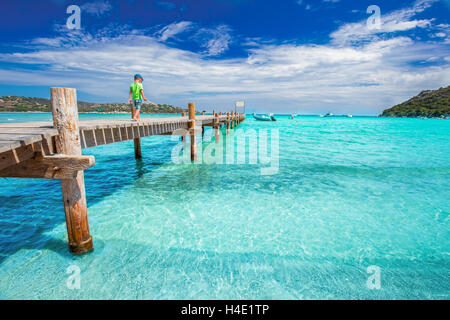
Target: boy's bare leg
138,114
133,113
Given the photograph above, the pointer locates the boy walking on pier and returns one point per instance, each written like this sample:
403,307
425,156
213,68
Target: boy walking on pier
136,94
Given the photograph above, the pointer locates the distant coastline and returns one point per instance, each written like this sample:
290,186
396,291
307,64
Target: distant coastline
41,105
118,113
91,112
434,104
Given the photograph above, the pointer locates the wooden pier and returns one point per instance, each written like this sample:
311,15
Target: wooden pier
53,150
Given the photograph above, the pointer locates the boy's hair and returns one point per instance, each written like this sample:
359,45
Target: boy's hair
138,76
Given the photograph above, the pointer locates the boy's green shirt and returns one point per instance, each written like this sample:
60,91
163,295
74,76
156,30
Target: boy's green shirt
136,88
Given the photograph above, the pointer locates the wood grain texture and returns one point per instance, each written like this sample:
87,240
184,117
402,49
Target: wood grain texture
53,150
217,129
191,109
65,120
49,167
137,148
16,155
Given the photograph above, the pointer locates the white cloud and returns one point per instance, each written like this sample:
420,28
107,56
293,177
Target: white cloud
98,7
279,78
395,21
215,41
50,42
302,3
174,29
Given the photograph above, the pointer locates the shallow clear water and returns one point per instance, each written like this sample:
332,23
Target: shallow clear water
349,194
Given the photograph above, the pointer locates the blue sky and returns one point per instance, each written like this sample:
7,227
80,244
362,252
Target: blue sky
282,56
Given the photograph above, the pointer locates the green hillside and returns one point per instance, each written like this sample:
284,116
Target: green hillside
427,104
27,104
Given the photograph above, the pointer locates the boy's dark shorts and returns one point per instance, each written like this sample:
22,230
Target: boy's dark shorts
137,104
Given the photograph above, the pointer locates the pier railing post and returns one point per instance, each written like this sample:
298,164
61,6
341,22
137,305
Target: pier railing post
228,122
232,120
235,119
191,107
65,120
217,128
137,148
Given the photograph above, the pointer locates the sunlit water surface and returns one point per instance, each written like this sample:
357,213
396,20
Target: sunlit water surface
349,194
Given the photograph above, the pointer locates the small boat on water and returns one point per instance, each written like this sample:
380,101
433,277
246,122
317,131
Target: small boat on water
349,116
329,114
264,117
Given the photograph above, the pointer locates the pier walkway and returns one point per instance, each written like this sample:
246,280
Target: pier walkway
53,150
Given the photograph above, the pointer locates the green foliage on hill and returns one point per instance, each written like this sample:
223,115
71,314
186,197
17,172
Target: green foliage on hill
27,104
428,104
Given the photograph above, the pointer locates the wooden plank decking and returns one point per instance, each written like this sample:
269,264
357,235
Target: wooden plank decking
96,132
53,150
93,133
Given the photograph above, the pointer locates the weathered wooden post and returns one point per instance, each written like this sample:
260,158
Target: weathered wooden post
137,147
65,120
191,107
233,120
228,122
217,128
183,138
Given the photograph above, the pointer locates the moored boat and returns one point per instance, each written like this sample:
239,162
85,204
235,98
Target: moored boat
264,117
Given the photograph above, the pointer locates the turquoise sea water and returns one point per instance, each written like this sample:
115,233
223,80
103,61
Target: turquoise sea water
350,193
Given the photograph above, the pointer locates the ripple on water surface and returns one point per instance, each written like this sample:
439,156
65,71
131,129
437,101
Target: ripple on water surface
350,193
